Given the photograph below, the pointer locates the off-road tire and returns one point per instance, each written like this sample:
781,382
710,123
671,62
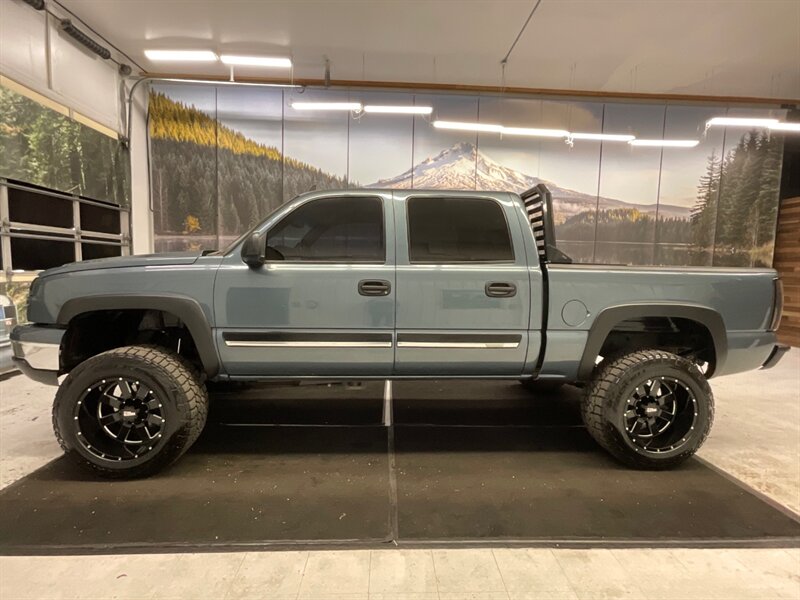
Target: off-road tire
182,394
604,403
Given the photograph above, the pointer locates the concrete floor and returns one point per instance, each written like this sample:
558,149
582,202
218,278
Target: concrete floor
756,439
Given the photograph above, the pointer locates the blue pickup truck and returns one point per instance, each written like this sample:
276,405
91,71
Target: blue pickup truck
389,284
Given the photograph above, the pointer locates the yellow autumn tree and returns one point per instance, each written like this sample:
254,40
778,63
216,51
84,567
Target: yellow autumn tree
191,224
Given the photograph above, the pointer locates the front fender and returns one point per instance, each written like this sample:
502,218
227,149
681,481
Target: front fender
186,309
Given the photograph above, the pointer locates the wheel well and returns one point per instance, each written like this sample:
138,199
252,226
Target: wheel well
91,333
682,336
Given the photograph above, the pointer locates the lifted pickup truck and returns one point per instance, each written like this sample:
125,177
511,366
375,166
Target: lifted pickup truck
389,284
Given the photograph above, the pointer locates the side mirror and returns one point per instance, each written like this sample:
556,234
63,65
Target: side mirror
253,250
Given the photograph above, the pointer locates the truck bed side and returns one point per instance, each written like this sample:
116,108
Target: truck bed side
585,301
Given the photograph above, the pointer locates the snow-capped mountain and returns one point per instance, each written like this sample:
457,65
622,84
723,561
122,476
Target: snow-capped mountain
463,167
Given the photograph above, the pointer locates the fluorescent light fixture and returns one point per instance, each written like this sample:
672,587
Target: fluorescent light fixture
182,55
256,61
326,105
494,128
666,143
740,122
553,133
605,137
785,127
398,110
221,82
459,126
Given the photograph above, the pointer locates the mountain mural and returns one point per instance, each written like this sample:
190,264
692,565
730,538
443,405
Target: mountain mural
210,182
463,166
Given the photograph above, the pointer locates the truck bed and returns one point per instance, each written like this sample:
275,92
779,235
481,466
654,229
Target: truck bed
578,294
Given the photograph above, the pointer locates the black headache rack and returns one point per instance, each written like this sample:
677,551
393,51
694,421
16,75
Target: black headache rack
539,205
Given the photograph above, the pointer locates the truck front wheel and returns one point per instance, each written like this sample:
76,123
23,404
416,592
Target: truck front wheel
130,411
650,409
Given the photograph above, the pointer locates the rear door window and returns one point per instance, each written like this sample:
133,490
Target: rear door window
447,230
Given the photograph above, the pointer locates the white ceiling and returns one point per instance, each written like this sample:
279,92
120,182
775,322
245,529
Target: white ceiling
702,47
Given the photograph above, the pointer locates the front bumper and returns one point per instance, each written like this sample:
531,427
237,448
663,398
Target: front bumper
777,353
36,351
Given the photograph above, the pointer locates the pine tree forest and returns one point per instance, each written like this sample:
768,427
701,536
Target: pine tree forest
41,146
209,180
733,220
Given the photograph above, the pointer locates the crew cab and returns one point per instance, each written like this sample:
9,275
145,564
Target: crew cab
389,284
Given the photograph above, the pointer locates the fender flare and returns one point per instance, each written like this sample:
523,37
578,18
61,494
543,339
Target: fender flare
608,318
188,310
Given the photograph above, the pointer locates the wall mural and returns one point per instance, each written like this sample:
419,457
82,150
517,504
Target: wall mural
223,157
41,146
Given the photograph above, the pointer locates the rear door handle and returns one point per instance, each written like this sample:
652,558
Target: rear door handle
374,287
500,289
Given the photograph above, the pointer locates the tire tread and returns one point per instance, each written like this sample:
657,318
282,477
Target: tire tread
170,368
595,400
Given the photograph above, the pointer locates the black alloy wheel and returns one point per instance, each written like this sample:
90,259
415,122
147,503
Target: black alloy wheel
661,413
650,409
119,419
129,412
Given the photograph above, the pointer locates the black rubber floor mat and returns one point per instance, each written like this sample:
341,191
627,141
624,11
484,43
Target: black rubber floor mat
477,402
237,485
312,403
481,461
554,483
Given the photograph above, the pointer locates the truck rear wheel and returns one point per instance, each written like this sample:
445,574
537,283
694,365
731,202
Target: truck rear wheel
650,409
129,412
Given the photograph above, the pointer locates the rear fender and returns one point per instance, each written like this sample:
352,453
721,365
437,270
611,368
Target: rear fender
610,317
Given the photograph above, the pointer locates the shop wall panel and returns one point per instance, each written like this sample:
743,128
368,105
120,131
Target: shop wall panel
787,262
23,54
88,82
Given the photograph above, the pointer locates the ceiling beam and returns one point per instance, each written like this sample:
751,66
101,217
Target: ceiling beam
791,103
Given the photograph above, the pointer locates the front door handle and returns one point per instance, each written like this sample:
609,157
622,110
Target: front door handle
374,287
500,289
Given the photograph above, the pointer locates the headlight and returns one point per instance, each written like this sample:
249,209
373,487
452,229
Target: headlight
35,285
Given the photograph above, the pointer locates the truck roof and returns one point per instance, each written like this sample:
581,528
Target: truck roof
438,192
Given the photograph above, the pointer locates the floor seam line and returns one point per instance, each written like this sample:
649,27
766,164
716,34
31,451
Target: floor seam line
499,572
394,519
564,573
303,574
235,575
435,576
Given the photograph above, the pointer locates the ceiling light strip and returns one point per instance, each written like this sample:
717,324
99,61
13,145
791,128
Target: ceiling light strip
534,132
181,55
604,137
665,143
496,128
349,106
256,61
398,110
740,122
785,127
223,82
463,126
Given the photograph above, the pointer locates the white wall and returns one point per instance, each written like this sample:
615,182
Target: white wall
36,53
141,215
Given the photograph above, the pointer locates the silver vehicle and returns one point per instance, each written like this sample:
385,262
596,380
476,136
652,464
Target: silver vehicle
8,318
